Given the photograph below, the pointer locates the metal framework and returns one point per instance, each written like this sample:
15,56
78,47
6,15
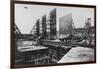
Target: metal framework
17,32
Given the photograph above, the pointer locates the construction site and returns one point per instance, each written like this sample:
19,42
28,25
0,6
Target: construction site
47,45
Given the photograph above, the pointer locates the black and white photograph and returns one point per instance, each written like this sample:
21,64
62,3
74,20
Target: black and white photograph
53,34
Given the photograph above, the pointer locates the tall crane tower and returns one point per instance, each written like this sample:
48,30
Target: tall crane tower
88,29
32,30
35,30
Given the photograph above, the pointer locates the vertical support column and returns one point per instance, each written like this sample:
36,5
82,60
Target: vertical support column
37,28
53,23
44,27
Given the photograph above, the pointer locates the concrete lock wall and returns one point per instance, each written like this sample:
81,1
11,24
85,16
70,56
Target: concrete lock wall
65,25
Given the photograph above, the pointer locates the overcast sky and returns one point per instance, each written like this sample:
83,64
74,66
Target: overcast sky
26,15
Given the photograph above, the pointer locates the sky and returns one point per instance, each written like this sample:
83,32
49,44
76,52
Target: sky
26,15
